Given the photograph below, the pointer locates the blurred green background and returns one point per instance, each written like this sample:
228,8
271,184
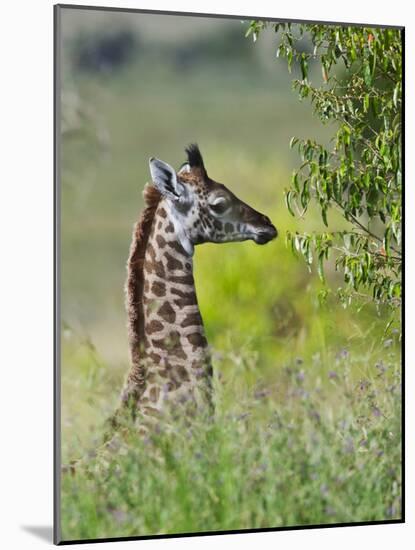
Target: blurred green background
140,85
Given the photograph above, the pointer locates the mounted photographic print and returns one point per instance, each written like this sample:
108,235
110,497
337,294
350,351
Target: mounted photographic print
229,247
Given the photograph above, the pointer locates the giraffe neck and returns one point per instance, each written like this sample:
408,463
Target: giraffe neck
173,358
172,322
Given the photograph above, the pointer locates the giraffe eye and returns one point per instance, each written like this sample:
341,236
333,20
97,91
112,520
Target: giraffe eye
219,206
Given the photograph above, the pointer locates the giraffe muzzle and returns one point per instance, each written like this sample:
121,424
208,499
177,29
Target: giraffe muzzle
264,236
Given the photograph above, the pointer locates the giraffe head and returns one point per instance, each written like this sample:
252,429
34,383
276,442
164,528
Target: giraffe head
203,210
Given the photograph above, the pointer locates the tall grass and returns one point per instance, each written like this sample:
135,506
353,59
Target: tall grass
320,446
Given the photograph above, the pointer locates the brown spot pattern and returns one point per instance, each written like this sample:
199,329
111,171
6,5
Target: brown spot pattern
153,326
167,313
158,288
151,377
196,339
191,320
182,373
151,411
172,263
179,352
154,394
161,241
155,357
182,279
185,298
151,251
155,267
171,343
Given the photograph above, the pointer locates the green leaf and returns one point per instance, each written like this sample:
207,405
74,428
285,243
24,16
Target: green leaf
320,266
360,169
293,141
289,60
373,65
396,94
304,66
288,196
324,215
387,239
367,74
295,182
305,194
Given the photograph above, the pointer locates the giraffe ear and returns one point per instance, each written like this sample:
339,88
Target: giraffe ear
165,179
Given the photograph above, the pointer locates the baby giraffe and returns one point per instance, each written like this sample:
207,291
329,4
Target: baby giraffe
169,352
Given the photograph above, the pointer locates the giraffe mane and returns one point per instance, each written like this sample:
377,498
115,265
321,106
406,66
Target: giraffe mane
135,269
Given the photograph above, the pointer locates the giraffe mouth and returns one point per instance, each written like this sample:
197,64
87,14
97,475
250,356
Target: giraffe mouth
264,236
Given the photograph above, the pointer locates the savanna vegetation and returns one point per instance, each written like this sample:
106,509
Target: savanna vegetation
307,391
360,173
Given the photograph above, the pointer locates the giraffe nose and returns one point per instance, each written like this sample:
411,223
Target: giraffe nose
274,232
270,225
267,232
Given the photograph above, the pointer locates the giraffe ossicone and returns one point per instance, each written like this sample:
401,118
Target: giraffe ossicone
169,351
